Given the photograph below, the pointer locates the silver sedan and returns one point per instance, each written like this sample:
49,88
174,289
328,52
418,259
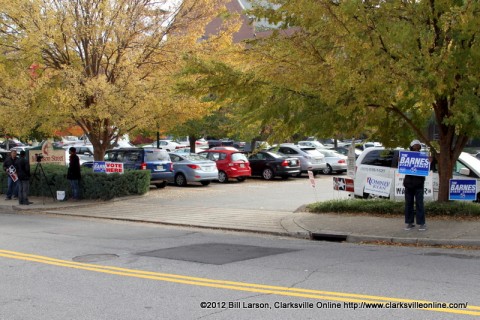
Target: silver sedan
336,162
192,168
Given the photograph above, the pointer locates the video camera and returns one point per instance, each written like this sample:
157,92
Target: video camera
38,157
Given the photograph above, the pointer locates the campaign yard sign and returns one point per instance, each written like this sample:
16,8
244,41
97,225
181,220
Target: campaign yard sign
400,189
462,189
413,163
378,185
107,167
343,184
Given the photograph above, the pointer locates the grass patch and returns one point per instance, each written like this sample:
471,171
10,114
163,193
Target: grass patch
390,208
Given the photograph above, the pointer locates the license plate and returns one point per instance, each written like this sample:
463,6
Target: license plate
242,165
160,168
208,169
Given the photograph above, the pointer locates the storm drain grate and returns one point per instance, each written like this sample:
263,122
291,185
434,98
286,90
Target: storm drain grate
215,253
329,237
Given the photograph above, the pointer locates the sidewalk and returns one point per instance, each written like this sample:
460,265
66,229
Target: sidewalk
329,227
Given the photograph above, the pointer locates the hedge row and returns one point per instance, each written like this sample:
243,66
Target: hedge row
459,209
92,185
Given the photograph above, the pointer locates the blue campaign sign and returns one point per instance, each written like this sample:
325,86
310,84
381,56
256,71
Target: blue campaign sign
462,189
99,166
413,163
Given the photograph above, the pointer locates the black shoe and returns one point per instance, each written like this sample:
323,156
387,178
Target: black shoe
409,226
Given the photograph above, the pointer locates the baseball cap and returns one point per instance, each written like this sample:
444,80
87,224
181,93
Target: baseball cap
414,142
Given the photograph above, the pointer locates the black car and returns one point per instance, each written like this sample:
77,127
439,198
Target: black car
268,165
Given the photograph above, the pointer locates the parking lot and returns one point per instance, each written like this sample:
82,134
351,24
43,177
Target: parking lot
254,193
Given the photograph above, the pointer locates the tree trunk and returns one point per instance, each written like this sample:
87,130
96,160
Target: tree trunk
192,139
451,145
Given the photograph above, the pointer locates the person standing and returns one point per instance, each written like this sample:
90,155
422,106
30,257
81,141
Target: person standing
9,166
73,174
23,171
414,192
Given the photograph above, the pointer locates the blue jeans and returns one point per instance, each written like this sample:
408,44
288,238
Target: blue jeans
75,189
12,188
414,196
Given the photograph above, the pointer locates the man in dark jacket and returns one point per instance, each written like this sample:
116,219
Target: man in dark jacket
10,167
414,191
73,174
23,171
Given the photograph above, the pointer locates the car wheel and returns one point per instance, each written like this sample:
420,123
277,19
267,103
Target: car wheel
267,174
161,185
298,175
205,183
222,177
328,169
180,180
241,179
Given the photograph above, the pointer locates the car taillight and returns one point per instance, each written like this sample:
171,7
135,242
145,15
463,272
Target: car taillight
143,166
341,161
171,166
193,166
284,163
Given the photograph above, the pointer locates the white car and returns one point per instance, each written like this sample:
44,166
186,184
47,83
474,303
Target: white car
167,145
313,144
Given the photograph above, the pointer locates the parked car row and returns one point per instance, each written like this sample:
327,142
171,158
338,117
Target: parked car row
218,163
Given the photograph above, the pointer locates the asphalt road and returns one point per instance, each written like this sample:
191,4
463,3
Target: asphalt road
68,268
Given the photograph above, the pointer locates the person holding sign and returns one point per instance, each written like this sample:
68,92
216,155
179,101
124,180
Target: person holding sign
414,191
9,165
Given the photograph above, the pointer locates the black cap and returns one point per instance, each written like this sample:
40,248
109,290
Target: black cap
22,153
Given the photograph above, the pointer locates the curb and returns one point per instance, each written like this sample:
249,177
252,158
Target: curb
355,238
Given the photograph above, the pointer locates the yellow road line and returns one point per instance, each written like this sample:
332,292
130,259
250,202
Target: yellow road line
230,285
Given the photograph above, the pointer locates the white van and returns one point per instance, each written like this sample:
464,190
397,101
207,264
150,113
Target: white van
379,162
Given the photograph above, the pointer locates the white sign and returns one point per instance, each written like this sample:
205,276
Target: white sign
378,185
312,178
400,189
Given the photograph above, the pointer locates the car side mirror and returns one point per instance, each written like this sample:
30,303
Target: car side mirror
465,172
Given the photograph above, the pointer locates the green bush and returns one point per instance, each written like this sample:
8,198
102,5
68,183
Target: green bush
388,207
92,185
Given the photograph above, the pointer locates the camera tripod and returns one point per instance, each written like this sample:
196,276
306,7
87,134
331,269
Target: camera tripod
42,174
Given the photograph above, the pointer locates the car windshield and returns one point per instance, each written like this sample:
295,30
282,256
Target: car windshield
194,157
275,155
237,156
156,155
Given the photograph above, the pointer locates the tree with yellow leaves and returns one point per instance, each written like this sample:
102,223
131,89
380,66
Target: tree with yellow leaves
107,66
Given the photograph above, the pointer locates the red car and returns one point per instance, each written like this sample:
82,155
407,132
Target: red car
231,163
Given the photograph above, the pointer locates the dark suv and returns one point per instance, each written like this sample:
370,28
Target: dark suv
156,160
